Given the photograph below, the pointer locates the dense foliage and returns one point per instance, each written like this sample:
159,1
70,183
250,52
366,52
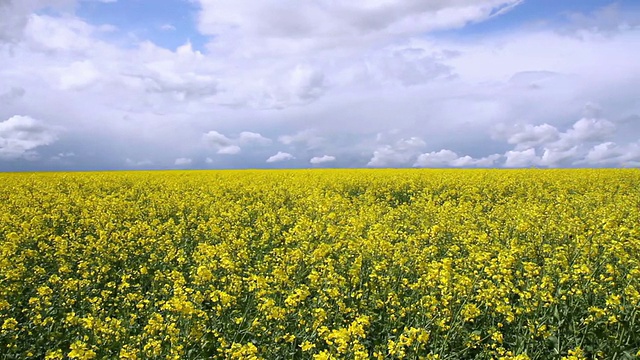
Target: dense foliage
447,264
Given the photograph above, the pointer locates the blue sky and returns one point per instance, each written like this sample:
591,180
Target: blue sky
547,13
167,23
143,84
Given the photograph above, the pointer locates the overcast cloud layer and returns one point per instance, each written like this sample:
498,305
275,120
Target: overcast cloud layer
253,84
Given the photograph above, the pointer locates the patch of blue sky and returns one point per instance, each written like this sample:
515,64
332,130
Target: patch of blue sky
535,13
166,23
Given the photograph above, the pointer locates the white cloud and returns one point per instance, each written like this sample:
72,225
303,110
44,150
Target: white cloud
612,154
585,131
280,156
532,135
388,156
433,159
252,137
229,150
556,157
399,153
221,143
466,161
183,161
21,135
603,153
448,158
217,139
567,148
228,146
322,159
524,158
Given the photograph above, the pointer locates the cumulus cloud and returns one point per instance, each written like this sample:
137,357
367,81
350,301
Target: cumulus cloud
603,153
523,158
553,157
21,135
434,159
217,139
586,131
183,161
280,156
228,146
388,156
229,150
399,153
487,161
612,154
560,148
533,135
322,159
246,137
448,158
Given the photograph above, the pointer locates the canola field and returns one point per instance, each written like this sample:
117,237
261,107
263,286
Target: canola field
321,264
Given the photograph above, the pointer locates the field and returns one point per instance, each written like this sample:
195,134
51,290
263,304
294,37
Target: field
321,264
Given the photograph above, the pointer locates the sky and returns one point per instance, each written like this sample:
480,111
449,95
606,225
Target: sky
218,84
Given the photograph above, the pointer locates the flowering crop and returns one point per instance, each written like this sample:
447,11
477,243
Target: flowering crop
320,264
